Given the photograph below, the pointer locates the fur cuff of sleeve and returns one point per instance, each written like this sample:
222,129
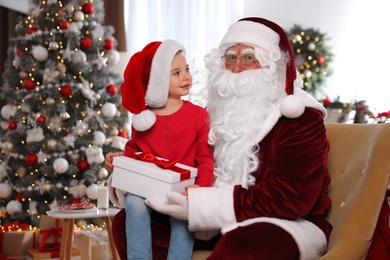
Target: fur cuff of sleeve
210,208
117,196
310,239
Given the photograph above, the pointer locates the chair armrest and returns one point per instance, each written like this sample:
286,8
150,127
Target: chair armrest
348,249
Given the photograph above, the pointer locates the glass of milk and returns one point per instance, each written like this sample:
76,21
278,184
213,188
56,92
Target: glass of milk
102,196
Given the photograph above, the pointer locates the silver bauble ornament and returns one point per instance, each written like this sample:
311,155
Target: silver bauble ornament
14,206
39,53
307,73
78,16
79,57
60,165
53,46
311,46
5,190
69,8
102,174
64,116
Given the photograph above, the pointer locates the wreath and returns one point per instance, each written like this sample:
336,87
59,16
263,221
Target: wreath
312,57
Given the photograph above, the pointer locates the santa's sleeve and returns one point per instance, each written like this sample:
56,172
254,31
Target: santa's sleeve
210,208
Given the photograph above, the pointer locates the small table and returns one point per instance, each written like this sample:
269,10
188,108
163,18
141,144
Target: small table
67,229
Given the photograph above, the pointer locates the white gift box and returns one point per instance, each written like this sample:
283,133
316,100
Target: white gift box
146,179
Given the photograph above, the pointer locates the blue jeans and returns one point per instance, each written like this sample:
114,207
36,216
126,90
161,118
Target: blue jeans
139,235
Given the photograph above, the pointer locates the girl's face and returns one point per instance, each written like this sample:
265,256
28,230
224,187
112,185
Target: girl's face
181,79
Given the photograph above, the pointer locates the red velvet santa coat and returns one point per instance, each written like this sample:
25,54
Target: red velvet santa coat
291,187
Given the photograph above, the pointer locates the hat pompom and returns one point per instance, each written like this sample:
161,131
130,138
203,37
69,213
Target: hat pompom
144,120
292,106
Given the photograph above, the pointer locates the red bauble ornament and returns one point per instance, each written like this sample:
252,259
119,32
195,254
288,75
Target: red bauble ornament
66,132
122,134
111,89
31,159
41,119
66,91
75,201
108,44
28,84
82,165
85,43
12,125
64,24
31,30
321,59
19,197
88,8
326,101
19,52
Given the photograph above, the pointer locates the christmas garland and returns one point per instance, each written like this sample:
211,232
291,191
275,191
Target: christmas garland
312,57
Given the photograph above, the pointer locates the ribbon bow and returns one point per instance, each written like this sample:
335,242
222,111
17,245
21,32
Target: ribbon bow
57,231
164,164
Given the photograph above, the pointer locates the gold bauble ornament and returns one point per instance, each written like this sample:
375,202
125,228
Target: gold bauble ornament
21,171
8,146
23,74
46,187
61,67
50,101
3,212
114,131
75,158
81,223
52,144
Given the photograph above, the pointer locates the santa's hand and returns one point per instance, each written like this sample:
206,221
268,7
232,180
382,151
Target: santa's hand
175,205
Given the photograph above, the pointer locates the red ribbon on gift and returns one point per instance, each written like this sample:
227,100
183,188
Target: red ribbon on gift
14,226
164,164
56,232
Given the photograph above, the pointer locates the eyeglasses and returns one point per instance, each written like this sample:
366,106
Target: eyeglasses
246,59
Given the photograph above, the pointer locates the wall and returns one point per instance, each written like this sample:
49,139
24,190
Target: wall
359,40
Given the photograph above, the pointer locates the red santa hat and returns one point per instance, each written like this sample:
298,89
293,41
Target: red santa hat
146,81
267,35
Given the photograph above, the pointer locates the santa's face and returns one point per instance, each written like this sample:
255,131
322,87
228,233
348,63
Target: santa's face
240,57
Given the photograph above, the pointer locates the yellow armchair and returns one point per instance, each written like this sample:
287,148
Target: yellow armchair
359,164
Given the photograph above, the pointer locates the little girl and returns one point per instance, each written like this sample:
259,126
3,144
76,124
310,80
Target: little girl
155,80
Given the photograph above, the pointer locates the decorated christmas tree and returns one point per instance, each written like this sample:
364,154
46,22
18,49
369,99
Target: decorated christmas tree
313,57
62,112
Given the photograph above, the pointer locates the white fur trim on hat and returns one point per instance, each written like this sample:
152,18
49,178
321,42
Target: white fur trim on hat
158,87
252,34
144,120
292,106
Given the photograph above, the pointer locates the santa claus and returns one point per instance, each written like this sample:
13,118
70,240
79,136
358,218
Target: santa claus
270,150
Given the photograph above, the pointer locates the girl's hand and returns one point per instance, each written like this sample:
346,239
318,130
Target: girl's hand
189,187
109,158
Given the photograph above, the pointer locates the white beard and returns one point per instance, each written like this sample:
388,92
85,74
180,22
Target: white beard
238,105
